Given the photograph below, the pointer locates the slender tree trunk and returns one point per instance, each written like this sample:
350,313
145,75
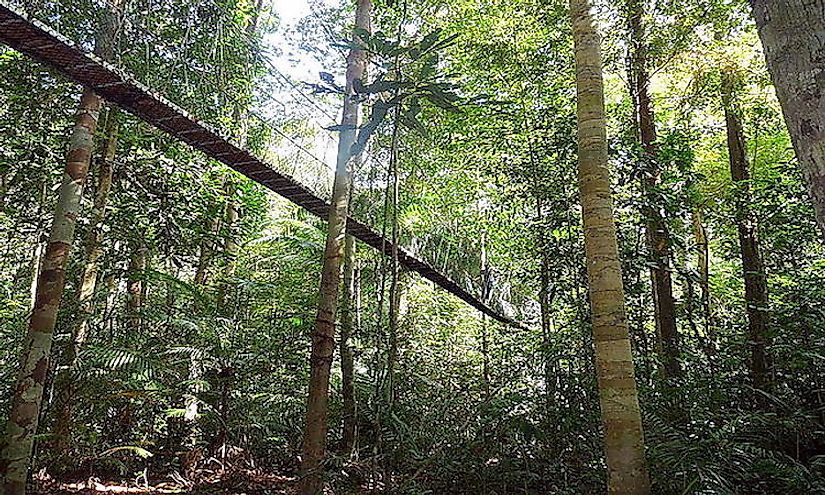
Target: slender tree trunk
756,284
134,288
347,361
93,248
111,283
191,402
37,259
39,246
546,296
28,395
793,36
624,437
395,292
230,246
657,234
207,250
700,237
66,388
485,343
323,338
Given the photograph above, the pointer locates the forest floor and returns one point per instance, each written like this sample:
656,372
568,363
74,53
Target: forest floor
235,483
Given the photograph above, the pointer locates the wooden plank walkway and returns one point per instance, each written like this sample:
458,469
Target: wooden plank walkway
43,44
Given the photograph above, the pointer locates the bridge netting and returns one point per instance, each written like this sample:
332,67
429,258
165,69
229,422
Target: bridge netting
215,61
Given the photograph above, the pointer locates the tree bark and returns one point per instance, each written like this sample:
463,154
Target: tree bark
793,37
230,245
347,360
207,251
657,233
700,237
323,338
485,343
64,383
756,284
191,409
37,259
621,417
134,287
28,395
546,296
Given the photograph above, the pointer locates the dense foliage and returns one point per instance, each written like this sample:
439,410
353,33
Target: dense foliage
196,361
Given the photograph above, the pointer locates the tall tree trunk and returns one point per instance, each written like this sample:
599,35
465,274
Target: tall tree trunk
395,291
230,245
756,284
700,237
624,437
793,36
347,360
66,388
657,234
546,296
323,338
485,343
28,395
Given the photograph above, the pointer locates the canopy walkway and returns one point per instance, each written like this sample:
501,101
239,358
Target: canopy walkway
37,37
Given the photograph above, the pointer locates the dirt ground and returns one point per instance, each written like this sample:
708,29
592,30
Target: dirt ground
246,483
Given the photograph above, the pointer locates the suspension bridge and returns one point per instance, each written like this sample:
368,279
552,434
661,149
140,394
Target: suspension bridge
63,39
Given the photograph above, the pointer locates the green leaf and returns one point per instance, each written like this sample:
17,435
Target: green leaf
139,451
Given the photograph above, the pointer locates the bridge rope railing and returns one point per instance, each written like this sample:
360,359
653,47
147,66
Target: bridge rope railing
201,57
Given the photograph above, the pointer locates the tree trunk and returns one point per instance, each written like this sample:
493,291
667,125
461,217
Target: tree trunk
28,395
485,343
230,246
546,296
323,338
207,250
624,437
37,259
756,284
134,288
191,409
347,361
64,384
700,237
793,36
657,234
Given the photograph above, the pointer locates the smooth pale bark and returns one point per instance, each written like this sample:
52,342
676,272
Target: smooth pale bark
64,384
323,336
347,360
37,258
621,417
753,269
793,36
656,231
28,394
